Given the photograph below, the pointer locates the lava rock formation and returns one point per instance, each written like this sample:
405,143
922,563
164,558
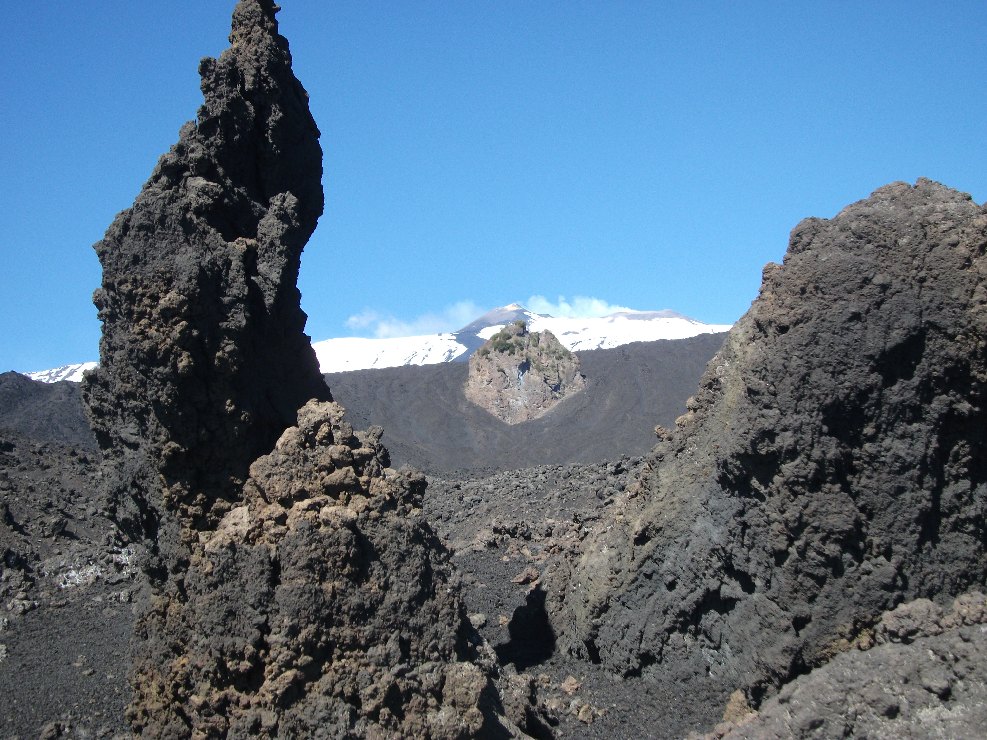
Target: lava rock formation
519,375
832,465
295,588
922,673
203,358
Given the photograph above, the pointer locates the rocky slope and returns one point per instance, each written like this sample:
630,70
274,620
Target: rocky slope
831,465
66,592
295,588
519,375
922,673
49,411
429,423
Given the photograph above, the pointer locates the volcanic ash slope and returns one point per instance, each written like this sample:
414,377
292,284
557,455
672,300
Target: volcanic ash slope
832,465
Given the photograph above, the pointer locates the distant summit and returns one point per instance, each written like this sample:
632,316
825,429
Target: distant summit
575,334
73,373
498,317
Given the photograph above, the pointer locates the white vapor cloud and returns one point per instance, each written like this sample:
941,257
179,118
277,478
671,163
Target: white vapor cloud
580,307
370,322
383,326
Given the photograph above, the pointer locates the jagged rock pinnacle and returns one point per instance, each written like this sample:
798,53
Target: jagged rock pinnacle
250,16
295,588
203,355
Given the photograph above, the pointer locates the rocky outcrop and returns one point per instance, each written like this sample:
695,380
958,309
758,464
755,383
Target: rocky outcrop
519,375
321,604
295,588
832,464
923,674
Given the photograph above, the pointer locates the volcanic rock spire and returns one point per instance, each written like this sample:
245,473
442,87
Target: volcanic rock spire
295,587
203,356
832,464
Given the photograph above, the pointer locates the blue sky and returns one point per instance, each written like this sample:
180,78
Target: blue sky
641,154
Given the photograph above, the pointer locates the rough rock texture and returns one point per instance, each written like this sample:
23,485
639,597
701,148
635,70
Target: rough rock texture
503,531
832,464
519,375
203,358
320,604
506,531
295,588
52,536
65,590
927,677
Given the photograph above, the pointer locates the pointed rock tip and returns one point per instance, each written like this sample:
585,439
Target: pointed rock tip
251,14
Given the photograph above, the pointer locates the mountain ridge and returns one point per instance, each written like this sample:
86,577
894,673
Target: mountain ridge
342,354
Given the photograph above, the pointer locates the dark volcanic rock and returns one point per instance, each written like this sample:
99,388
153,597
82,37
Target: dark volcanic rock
203,359
65,593
832,463
929,683
295,588
52,534
50,412
321,605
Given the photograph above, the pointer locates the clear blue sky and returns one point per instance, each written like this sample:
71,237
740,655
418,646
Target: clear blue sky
648,154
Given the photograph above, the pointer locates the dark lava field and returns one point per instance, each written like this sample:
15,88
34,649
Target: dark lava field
777,532
74,585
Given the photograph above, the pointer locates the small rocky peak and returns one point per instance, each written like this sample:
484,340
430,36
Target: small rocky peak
518,375
249,15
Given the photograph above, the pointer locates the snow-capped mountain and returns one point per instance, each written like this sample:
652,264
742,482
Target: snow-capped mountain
356,353
605,332
337,355
66,372
351,353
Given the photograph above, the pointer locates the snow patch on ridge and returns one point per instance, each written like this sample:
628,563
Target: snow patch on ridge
606,332
72,373
357,353
576,334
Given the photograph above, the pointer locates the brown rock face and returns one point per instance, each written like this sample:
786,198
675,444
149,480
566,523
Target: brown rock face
832,464
320,605
519,375
295,588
